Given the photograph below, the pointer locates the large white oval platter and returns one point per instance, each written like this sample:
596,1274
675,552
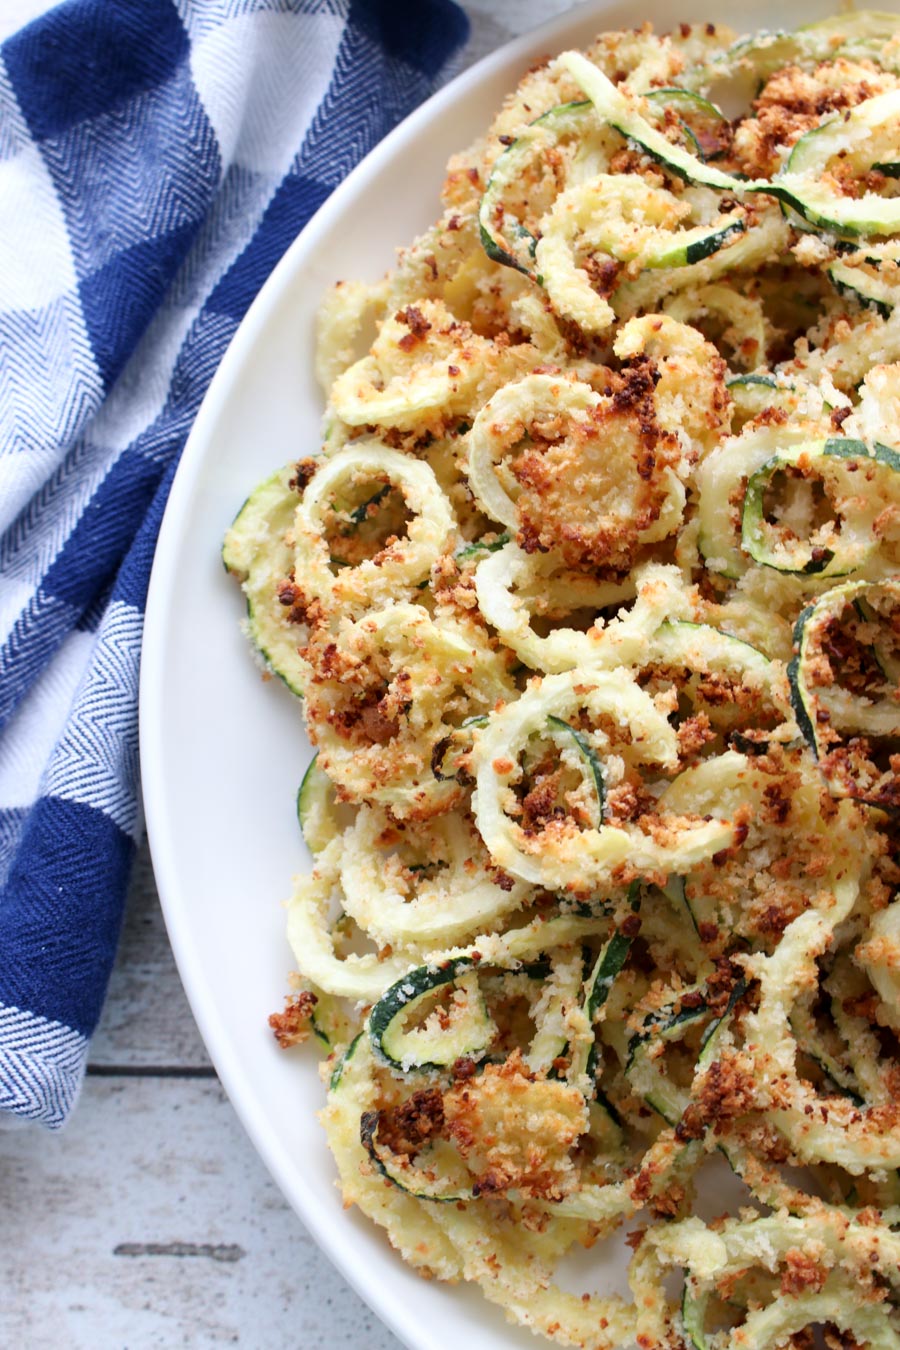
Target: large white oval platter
222,753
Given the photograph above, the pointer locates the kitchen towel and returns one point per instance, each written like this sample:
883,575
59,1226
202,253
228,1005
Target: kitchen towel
157,157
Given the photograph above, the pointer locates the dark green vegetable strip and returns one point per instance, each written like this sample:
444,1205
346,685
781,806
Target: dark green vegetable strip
591,758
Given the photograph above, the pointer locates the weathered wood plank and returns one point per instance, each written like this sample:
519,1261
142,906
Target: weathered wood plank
147,1019
149,1221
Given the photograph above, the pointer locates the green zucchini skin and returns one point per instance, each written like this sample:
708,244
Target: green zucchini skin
797,686
338,1070
443,747
675,637
686,103
801,698
798,186
506,169
693,1315
475,550
812,1047
814,723
675,891
498,254
802,560
764,381
666,1024
590,757
662,1096
411,989
255,553
717,1025
762,53
316,808
402,995
361,512
870,291
519,246
889,665
751,520
679,162
703,244
607,967
704,248
393,1171
886,454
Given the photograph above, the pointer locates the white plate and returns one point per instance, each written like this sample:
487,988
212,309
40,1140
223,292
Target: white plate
222,754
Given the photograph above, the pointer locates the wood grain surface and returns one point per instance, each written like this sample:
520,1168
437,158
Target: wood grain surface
149,1221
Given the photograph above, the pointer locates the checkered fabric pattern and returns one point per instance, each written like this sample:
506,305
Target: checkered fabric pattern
156,159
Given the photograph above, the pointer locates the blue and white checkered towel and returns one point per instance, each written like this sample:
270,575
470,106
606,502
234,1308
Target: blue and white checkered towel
156,159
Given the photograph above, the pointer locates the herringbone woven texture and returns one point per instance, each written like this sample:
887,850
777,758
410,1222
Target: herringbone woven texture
156,159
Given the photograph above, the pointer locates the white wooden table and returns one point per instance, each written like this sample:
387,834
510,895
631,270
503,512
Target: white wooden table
149,1220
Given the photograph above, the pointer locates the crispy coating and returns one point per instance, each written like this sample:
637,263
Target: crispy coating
794,101
292,1027
593,489
516,1130
407,1128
